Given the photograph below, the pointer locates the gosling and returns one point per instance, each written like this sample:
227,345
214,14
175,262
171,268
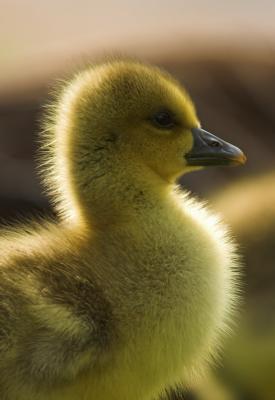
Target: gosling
135,284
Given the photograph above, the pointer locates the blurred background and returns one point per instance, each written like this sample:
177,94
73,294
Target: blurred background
224,54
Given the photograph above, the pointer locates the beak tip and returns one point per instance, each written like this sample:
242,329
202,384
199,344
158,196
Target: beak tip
241,159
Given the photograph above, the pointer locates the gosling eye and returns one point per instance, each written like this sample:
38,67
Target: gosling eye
163,120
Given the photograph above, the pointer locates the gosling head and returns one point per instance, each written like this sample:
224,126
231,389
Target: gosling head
127,116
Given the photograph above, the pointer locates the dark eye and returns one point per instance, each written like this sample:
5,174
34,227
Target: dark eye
163,119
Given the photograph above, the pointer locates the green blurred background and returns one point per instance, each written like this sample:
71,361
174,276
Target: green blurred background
224,54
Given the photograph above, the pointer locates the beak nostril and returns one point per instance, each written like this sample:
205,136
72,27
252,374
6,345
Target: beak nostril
215,143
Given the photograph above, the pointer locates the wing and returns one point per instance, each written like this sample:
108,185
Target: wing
54,324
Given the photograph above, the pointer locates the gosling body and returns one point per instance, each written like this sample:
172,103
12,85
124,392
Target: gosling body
133,288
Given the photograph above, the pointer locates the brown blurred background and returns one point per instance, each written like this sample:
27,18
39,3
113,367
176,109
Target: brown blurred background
223,52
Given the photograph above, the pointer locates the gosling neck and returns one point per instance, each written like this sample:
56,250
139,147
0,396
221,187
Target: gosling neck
119,194
99,187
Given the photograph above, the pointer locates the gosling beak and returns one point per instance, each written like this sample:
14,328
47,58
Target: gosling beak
209,150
